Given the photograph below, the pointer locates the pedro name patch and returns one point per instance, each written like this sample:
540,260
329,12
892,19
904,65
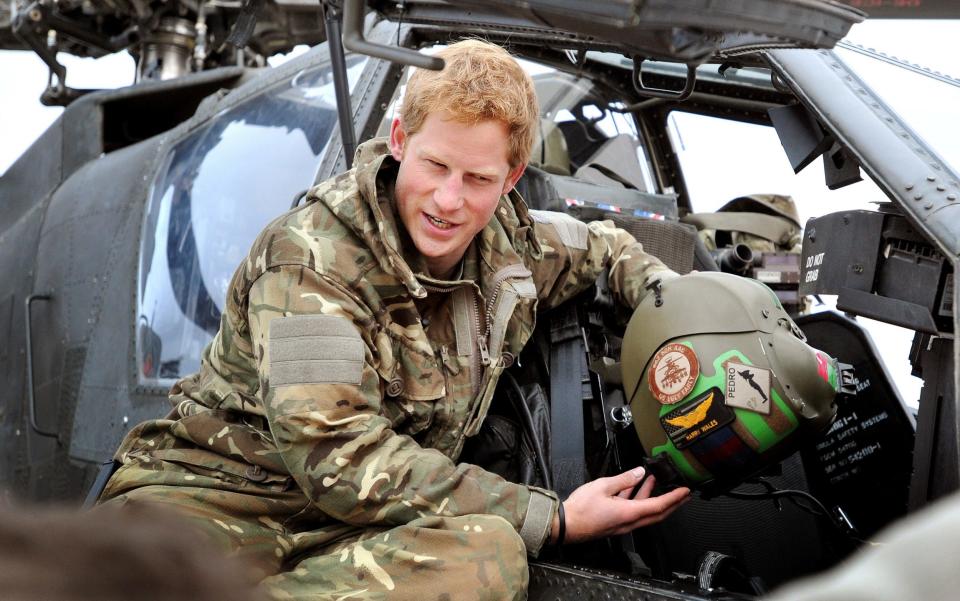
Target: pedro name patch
672,373
695,419
747,387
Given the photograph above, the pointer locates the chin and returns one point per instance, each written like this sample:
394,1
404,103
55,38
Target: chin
436,253
429,250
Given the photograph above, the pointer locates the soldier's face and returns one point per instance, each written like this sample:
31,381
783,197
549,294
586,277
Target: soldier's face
450,181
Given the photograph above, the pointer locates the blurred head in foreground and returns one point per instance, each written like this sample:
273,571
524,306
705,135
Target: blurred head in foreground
111,554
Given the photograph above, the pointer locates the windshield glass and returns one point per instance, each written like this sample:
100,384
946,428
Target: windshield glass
926,101
218,188
587,122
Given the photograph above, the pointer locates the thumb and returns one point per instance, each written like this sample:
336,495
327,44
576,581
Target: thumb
625,481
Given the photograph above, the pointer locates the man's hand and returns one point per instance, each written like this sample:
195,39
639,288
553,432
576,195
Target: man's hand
603,507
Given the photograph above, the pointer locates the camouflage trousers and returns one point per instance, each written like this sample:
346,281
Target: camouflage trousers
296,552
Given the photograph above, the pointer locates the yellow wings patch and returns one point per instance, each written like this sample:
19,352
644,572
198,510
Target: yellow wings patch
694,417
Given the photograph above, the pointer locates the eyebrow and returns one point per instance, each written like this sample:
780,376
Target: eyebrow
425,153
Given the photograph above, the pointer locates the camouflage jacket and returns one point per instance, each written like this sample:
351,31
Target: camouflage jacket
339,363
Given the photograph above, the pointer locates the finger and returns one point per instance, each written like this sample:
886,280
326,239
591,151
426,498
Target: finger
675,496
653,506
647,488
640,490
614,485
659,517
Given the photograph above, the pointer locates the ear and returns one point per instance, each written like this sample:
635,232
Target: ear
513,176
397,138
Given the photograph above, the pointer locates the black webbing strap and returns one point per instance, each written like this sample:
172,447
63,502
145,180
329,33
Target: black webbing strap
568,372
107,468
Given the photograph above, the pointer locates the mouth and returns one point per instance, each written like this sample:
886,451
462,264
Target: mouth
439,223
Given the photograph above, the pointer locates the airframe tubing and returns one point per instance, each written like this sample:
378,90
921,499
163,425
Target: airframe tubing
353,40
341,85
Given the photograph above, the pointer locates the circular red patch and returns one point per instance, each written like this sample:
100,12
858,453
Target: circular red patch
673,372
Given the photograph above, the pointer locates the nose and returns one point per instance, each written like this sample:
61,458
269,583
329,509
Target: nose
449,194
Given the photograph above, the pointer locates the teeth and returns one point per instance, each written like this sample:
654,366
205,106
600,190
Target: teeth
439,222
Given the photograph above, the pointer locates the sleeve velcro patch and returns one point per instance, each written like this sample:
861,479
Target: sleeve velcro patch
573,232
315,349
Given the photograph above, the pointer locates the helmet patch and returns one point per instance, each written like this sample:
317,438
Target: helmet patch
673,373
704,414
747,386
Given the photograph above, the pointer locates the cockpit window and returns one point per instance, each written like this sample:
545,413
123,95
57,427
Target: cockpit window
926,100
723,159
597,136
217,189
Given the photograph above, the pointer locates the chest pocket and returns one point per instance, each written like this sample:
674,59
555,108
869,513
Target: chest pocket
413,388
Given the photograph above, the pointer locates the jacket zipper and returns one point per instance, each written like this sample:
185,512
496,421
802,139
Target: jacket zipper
482,359
512,270
482,335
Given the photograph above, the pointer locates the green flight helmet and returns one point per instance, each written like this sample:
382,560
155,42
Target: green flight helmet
721,381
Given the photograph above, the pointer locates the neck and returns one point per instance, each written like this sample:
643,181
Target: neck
443,268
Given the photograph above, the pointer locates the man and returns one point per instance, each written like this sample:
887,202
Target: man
361,344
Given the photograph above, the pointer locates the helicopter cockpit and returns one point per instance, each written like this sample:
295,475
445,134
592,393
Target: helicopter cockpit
138,224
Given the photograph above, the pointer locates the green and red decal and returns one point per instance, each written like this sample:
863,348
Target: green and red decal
708,436
827,371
